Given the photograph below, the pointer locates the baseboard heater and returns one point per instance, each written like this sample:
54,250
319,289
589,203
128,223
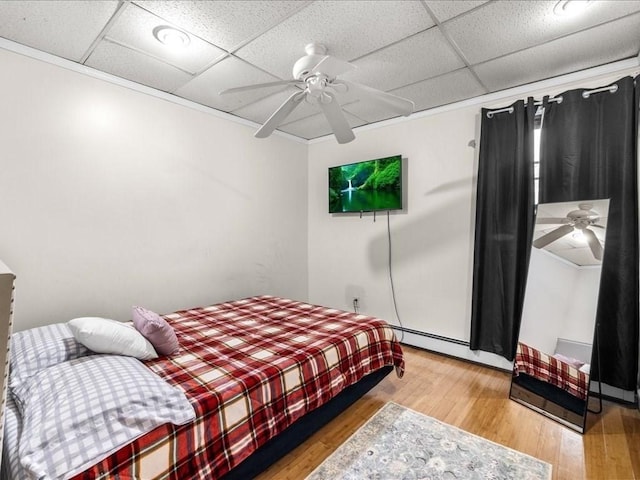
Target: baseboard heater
432,335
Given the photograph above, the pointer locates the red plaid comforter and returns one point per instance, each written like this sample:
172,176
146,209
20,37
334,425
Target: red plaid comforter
250,368
549,369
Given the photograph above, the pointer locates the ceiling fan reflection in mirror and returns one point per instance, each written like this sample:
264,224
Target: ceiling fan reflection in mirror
581,220
316,77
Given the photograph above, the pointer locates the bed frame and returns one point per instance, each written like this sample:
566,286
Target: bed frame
550,386
549,400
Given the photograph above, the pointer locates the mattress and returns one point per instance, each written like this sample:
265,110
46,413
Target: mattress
251,368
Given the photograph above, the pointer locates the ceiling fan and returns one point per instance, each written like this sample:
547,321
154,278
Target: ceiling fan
315,75
581,220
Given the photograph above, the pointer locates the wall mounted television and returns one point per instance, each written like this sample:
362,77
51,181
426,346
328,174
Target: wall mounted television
367,186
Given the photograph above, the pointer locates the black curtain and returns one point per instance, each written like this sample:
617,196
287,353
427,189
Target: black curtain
504,228
588,150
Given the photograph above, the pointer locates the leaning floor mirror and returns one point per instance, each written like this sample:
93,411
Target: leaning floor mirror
554,353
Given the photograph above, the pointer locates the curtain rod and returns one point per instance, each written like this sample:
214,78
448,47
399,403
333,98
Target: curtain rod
586,94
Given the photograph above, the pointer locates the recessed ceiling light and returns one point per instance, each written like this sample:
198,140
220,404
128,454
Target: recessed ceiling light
171,37
567,8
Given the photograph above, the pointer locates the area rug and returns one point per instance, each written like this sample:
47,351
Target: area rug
399,443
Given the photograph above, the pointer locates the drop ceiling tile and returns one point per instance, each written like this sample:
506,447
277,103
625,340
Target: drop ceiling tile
579,256
315,126
448,88
262,109
368,112
138,67
225,24
348,29
134,28
569,54
63,28
499,28
446,9
424,55
228,73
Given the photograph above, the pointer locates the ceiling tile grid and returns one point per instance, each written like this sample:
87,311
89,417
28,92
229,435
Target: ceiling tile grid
349,29
134,28
136,66
228,73
261,110
421,56
499,28
565,55
432,52
65,28
446,9
309,127
225,24
448,88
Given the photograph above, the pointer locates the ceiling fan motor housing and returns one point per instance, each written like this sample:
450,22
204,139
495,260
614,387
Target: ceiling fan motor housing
583,217
303,68
316,78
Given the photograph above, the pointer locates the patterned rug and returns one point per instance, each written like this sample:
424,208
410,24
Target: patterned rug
398,443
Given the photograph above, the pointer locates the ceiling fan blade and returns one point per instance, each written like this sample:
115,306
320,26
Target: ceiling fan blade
397,104
598,226
594,243
279,115
551,220
337,120
332,66
552,236
260,85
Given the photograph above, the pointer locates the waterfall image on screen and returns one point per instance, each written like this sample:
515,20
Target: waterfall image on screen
366,186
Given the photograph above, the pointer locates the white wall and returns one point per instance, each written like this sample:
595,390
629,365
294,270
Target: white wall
432,239
112,198
431,254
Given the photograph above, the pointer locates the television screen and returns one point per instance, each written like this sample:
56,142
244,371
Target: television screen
366,186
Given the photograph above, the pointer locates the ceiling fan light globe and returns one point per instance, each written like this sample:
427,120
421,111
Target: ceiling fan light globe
579,236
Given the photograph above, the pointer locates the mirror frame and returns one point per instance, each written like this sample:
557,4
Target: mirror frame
531,389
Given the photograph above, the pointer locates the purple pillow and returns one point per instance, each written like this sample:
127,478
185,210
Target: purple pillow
155,329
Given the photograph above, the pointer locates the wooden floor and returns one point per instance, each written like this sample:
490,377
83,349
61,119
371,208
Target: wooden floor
476,399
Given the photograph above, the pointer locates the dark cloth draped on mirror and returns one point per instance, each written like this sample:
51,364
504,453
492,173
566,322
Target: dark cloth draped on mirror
503,229
588,150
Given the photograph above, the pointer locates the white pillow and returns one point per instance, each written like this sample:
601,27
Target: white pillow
78,412
103,335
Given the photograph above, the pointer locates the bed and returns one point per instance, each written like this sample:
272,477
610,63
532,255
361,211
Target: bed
262,374
550,385
551,369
